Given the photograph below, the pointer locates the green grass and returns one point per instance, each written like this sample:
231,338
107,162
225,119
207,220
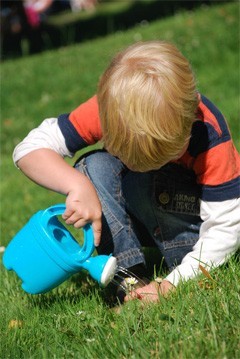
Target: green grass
73,321
200,320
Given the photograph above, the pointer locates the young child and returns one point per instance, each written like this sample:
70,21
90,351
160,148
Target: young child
169,168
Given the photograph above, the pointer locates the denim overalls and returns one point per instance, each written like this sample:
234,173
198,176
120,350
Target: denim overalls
141,209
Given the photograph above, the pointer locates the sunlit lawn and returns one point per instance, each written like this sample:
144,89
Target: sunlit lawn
201,319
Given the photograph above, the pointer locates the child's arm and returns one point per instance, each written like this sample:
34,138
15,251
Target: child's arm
219,238
48,168
40,157
215,161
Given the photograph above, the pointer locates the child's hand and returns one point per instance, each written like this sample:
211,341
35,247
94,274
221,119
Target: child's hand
82,207
48,168
151,292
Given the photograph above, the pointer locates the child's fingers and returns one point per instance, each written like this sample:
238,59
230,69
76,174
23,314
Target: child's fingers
132,295
147,293
73,217
68,213
97,231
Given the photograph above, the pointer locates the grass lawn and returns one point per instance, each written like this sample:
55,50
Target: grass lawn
201,319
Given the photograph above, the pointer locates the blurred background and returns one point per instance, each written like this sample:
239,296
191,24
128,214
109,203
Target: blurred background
52,61
33,26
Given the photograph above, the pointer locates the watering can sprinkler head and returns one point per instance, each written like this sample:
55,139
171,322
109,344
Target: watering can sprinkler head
102,268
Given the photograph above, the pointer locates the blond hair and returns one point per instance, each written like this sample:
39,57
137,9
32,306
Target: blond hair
147,101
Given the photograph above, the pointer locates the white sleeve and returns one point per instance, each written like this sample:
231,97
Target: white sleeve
47,135
219,238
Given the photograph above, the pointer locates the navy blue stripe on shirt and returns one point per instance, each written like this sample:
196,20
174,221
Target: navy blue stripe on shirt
217,114
199,141
224,192
74,141
203,135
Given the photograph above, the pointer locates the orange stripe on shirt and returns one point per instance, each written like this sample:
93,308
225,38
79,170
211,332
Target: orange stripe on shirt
86,121
218,165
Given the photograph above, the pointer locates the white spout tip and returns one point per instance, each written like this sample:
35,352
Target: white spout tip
109,271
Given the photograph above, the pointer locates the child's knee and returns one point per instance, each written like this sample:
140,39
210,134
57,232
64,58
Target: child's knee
100,167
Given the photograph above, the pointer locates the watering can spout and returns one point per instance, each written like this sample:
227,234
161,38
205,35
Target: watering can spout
102,268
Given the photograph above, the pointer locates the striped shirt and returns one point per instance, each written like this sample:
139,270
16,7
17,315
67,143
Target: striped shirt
210,154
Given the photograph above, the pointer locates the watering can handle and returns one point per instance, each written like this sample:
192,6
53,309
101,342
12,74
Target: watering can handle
55,210
58,209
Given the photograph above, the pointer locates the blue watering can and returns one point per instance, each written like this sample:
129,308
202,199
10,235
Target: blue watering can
44,253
